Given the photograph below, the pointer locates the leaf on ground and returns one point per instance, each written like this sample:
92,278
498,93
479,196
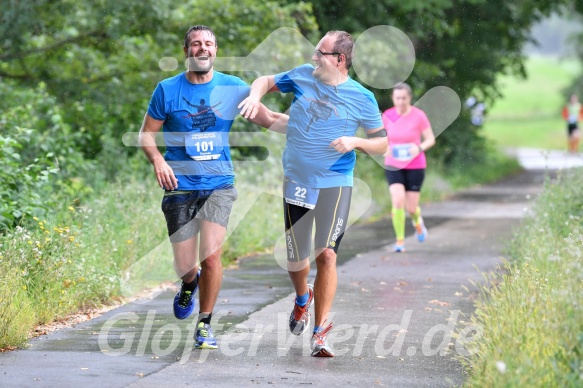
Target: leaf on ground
438,302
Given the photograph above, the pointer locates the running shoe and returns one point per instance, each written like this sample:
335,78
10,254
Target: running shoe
205,339
420,230
399,247
184,301
320,346
299,318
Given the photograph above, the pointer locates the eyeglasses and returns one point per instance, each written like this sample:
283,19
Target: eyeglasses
320,53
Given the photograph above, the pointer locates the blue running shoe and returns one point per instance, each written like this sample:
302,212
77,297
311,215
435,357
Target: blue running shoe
205,339
399,247
184,301
420,230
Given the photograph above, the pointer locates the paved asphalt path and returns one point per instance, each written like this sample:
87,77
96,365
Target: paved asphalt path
392,315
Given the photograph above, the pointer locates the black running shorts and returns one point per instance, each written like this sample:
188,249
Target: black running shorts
411,179
183,210
330,215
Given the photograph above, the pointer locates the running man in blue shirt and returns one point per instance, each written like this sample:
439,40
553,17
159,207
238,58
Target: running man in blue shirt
318,162
196,109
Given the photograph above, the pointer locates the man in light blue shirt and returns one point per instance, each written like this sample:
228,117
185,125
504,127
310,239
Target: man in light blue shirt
318,161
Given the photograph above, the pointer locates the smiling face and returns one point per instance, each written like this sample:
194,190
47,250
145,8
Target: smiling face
326,66
201,51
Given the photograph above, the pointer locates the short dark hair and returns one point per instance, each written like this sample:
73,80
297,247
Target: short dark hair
198,27
344,45
403,86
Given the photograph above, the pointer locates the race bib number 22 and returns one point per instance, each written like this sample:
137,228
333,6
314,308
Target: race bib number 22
300,195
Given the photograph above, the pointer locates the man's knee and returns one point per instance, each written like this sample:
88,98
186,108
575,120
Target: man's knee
213,261
326,259
297,266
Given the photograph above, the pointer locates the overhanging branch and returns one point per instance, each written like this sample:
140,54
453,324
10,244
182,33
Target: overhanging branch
21,54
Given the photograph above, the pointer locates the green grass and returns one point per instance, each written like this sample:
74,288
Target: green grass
529,113
532,311
52,267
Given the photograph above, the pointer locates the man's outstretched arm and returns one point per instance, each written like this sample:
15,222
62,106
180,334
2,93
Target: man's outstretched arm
274,121
259,88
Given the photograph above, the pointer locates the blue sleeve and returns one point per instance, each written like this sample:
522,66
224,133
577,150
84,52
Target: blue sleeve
157,106
226,97
286,81
283,82
370,116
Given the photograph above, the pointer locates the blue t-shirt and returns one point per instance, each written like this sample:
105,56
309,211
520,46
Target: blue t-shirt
319,114
197,120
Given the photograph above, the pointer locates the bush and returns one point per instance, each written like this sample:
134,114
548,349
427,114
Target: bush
40,163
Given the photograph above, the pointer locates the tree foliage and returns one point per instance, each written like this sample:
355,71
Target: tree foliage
75,76
462,44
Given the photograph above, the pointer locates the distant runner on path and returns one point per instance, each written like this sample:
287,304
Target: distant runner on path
405,161
573,113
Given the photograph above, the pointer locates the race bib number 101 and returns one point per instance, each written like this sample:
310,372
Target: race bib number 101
204,145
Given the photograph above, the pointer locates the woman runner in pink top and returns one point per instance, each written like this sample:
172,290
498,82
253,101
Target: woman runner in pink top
405,161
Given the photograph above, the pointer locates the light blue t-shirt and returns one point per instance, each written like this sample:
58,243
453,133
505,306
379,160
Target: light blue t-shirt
197,120
319,114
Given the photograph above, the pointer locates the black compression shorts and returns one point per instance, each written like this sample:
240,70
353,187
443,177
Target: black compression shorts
572,127
411,179
331,216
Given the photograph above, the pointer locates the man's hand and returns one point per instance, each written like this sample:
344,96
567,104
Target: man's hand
249,107
345,144
165,175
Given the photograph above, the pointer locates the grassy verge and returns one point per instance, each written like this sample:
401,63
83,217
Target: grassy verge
532,313
52,267
529,112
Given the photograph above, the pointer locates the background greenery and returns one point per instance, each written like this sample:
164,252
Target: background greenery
78,209
529,112
531,311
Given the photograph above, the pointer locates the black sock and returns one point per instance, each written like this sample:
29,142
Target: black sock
192,285
205,318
